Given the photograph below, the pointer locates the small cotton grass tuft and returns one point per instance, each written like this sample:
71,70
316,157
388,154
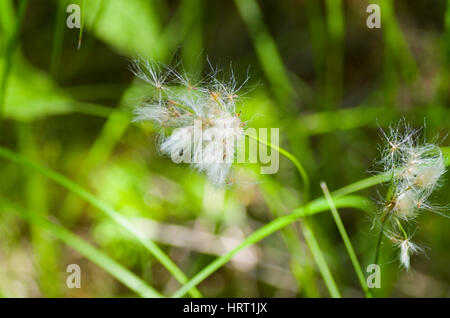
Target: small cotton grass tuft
416,169
407,248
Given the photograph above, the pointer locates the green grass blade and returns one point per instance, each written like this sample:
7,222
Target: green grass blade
341,199
346,239
108,211
301,265
335,64
266,49
7,18
58,37
316,206
108,264
319,258
10,47
46,252
306,225
293,159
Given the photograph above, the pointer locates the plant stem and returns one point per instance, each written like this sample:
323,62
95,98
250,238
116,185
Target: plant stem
10,47
306,225
377,249
346,239
316,206
313,207
297,164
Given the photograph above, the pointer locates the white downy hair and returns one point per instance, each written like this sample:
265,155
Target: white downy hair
416,168
407,248
182,106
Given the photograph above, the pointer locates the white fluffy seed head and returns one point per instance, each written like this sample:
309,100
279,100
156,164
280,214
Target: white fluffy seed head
405,205
416,167
407,248
205,127
427,176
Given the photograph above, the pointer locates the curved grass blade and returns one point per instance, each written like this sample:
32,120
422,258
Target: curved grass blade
116,270
341,199
316,206
108,211
306,225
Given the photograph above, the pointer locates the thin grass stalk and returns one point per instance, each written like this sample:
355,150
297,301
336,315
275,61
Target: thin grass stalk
313,207
10,48
346,239
341,199
306,225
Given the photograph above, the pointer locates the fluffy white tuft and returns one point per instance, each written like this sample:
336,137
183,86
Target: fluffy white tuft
202,118
416,170
407,248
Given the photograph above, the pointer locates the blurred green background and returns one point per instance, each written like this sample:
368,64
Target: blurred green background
317,72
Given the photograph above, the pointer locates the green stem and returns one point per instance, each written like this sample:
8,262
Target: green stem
401,228
319,258
9,54
108,211
318,205
346,239
297,164
378,247
306,225
313,207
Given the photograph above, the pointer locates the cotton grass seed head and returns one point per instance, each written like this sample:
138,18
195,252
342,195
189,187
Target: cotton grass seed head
415,168
200,118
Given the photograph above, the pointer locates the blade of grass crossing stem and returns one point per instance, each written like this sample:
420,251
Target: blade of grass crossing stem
108,264
316,206
108,211
319,258
11,43
306,225
341,199
301,265
346,239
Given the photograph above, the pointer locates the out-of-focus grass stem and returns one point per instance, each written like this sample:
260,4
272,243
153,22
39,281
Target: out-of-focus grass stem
9,49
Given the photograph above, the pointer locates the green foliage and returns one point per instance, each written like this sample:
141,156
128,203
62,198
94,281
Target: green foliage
78,175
